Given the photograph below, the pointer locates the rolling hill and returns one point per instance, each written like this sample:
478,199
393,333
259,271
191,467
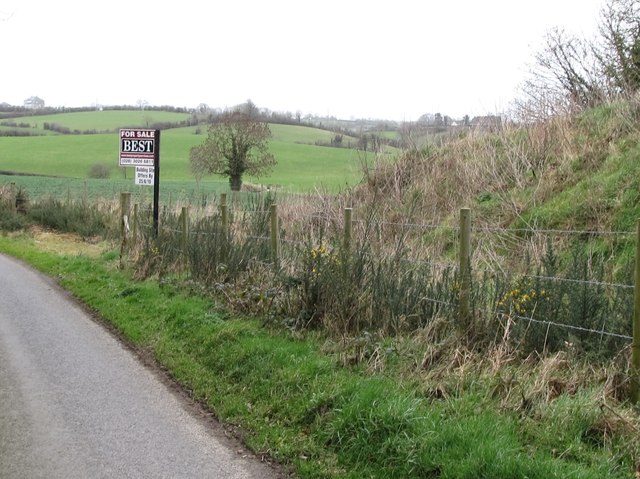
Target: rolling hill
304,160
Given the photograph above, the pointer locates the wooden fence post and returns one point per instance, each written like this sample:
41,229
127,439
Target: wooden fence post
465,267
13,194
348,229
635,345
275,235
125,206
134,221
184,230
224,212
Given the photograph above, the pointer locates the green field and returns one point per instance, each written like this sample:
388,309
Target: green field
171,191
302,164
101,120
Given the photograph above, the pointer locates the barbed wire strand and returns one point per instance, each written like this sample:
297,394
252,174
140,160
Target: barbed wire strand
260,238
409,225
437,301
434,264
560,280
553,231
567,326
581,281
456,228
293,242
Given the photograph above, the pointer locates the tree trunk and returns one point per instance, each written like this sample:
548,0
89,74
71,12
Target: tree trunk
235,181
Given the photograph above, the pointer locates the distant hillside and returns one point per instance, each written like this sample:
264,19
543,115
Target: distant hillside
308,158
92,122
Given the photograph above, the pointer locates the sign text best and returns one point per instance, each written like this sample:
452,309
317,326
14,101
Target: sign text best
137,147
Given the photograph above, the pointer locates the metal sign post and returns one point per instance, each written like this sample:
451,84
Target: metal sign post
156,183
141,148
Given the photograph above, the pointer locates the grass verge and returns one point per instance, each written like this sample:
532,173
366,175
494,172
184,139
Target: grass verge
301,406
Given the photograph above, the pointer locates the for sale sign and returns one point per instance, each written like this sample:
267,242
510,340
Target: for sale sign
137,147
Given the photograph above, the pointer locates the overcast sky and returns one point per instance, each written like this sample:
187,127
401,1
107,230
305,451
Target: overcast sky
393,59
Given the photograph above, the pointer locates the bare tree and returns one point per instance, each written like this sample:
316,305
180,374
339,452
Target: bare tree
571,73
566,75
235,145
619,51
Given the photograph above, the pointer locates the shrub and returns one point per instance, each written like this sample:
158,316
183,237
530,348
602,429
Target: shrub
10,220
81,218
22,200
99,171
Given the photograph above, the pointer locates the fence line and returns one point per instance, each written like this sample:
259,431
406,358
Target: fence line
555,231
445,227
536,231
580,281
412,225
259,238
561,280
435,264
452,228
566,326
464,283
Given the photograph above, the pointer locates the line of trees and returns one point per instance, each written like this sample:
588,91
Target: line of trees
14,111
206,114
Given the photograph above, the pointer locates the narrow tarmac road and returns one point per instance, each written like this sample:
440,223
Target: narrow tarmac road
75,403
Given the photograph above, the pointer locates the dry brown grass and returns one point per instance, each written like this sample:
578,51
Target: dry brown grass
66,244
530,386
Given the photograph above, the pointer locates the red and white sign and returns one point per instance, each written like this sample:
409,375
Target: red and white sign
137,147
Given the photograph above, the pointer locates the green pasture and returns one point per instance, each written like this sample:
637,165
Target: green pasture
302,166
305,134
172,192
389,134
102,120
30,131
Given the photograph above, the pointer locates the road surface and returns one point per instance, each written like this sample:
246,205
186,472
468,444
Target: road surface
75,403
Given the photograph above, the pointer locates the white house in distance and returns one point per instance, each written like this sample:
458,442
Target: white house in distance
34,103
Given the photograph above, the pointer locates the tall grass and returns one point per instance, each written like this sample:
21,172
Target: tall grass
87,220
18,211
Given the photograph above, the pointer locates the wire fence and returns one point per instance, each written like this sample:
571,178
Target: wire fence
359,269
590,294
532,275
545,287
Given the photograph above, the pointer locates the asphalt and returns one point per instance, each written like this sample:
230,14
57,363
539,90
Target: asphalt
76,403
